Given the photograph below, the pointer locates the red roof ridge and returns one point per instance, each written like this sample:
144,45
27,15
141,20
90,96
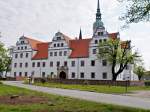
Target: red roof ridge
33,42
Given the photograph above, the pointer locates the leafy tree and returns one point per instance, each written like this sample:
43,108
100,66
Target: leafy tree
140,71
137,10
118,54
5,61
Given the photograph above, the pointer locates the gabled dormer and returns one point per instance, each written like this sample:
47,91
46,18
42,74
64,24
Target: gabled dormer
60,40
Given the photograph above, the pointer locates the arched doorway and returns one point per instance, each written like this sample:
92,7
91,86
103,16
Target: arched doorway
62,75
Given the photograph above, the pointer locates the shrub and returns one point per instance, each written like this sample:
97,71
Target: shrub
43,80
1,83
147,83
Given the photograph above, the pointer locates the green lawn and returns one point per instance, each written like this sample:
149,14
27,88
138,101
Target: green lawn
61,104
94,88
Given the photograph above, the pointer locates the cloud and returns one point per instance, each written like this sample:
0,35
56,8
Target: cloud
43,18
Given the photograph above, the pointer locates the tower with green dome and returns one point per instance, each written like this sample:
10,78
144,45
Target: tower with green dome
98,26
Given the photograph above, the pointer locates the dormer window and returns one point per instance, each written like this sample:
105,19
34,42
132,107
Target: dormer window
58,45
22,42
58,38
100,33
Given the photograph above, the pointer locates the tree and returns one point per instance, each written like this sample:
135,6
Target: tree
137,10
140,71
4,59
118,54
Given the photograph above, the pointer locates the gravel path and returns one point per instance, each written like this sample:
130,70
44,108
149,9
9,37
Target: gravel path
91,96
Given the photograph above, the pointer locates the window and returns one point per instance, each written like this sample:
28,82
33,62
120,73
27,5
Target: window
26,74
25,47
21,55
58,45
82,63
92,75
104,62
58,63
104,75
58,38
100,41
26,65
44,64
105,40
27,54
51,64
21,48
82,75
93,63
96,41
38,64
43,74
73,75
65,63
15,65
22,42
62,44
15,74
127,67
18,48
54,45
65,53
51,53
94,51
16,55
33,64
73,63
20,65
100,33
60,53
55,53
20,74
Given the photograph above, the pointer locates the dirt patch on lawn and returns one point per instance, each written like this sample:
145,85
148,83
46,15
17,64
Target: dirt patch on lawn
21,100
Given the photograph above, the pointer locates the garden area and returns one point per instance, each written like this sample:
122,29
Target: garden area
14,99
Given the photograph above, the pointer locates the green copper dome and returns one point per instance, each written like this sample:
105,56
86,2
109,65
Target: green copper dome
98,24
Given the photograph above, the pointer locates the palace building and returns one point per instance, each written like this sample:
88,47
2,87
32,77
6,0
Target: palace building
66,58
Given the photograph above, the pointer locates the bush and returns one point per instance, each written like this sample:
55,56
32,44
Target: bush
1,83
43,81
147,83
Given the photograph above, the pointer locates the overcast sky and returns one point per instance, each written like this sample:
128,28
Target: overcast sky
41,19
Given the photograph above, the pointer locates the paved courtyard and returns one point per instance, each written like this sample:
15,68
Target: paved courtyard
124,100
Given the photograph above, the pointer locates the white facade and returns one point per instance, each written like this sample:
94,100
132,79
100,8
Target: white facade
58,62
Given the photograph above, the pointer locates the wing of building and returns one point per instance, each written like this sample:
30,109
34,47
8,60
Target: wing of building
64,57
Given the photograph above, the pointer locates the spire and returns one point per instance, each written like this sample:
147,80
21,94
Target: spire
80,35
98,14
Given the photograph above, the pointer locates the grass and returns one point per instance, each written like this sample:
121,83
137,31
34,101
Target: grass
94,88
61,104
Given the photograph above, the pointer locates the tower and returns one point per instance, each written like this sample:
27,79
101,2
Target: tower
80,35
98,26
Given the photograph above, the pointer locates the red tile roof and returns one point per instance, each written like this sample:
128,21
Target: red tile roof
33,43
42,51
80,48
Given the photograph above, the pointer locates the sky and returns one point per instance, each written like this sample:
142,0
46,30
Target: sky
41,19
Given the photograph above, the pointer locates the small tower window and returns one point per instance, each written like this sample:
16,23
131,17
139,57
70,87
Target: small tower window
100,33
96,41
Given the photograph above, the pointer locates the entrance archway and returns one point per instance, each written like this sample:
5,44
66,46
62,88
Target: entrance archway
62,75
